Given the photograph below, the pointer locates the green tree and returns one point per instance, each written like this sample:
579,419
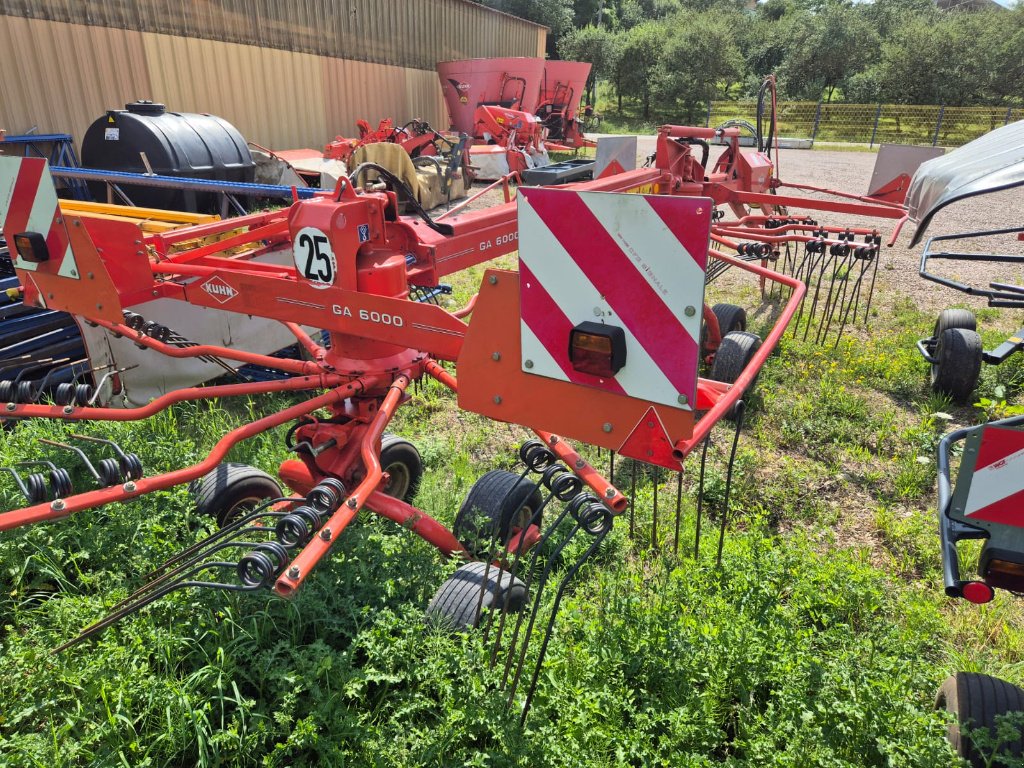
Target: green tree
827,48
596,45
640,50
930,62
701,56
557,15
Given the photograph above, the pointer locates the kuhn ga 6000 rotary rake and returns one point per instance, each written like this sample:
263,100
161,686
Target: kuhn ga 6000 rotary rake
599,337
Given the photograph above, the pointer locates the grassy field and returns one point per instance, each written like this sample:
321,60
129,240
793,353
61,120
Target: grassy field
818,641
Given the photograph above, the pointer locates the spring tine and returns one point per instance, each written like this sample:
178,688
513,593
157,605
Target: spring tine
117,449
528,580
826,316
114,617
20,482
833,269
39,386
871,290
817,291
150,594
632,498
103,380
740,411
78,452
37,463
527,635
679,510
700,497
234,527
654,514
611,467
571,574
513,572
854,301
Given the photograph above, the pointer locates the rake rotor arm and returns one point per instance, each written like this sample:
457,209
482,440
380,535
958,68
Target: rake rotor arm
727,401
162,403
312,553
64,507
307,342
297,367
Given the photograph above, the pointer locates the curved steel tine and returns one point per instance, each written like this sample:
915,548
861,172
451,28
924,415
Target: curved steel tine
185,569
78,451
124,609
227,530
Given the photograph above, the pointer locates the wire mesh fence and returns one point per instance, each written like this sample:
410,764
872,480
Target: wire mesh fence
873,123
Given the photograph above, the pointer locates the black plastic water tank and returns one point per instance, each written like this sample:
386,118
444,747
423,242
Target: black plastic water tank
183,144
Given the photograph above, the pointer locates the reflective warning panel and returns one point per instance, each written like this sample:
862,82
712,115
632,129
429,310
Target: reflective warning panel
602,273
28,204
995,492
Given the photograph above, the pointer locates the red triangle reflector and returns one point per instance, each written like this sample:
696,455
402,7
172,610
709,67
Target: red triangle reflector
613,168
650,442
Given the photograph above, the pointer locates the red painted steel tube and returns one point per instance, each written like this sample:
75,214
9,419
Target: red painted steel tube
697,132
836,206
213,264
311,554
476,195
306,341
703,427
73,413
468,309
899,227
132,489
164,239
419,522
850,195
608,493
300,367
437,371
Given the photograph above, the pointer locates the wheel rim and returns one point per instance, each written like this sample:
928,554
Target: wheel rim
400,479
522,517
240,509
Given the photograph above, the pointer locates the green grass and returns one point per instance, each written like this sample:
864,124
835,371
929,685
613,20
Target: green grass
818,641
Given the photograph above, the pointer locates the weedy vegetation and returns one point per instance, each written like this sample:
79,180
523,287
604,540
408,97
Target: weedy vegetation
819,639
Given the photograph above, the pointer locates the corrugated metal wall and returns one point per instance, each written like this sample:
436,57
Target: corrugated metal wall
286,74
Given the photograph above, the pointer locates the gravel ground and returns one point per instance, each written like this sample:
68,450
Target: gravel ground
898,273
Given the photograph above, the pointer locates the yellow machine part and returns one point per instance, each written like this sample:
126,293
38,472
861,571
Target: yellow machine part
151,220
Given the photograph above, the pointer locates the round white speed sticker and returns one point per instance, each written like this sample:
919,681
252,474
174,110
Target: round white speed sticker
314,258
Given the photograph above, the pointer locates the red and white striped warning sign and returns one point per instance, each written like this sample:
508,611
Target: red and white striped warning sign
996,491
632,261
28,203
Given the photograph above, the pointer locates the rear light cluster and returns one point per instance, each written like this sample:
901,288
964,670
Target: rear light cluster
597,349
31,246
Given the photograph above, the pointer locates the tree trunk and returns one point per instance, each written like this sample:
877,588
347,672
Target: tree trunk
647,103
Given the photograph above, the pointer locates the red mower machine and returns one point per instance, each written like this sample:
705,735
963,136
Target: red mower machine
515,109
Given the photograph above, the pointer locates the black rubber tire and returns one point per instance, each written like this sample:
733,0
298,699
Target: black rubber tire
732,357
492,509
230,490
400,459
456,604
955,318
957,363
731,318
975,700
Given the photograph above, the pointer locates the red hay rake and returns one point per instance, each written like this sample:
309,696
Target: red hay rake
600,337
